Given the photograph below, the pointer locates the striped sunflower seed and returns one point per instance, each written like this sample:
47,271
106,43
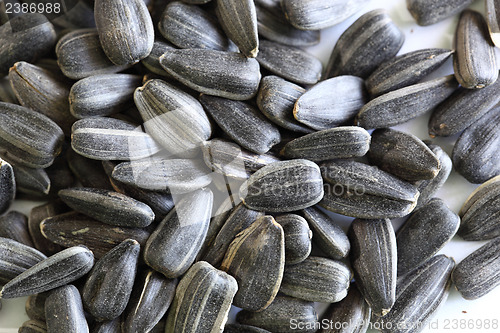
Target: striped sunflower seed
338,142
37,215
15,258
174,245
475,154
283,187
7,186
243,123
368,42
434,225
35,306
218,73
237,328
109,207
112,326
152,61
125,29
89,173
71,229
374,261
399,106
58,270
289,62
217,290
403,155
297,238
102,138
492,18
478,273
14,225
80,54
238,18
405,70
30,181
6,92
475,59
480,218
317,279
64,311
428,12
109,284
319,109
33,326
256,259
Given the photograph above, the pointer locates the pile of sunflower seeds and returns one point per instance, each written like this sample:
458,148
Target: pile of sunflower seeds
187,152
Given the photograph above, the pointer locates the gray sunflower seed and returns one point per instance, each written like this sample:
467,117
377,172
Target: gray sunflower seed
338,142
427,12
7,94
374,261
492,18
319,109
74,15
174,118
475,59
405,70
125,29
28,137
399,106
276,99
42,91
330,238
60,175
403,155
352,314
102,95
283,187
80,54
317,280
150,300
359,190
112,326
273,25
434,225
475,154
238,18
71,229
429,187
480,218
8,186
367,43
256,258
37,215
35,306
31,181
108,207
318,14
33,326
297,238
64,311
224,74
15,258
89,173
278,316
175,243
196,2
102,138
243,123
478,273
419,295
215,287
191,27
109,284
62,268
26,37
152,61
237,328
289,62
14,225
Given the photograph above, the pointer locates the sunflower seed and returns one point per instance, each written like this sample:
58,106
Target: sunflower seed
64,311
238,18
35,306
89,173
37,215
475,154
480,212
478,273
399,106
7,94
289,62
368,42
224,74
80,54
30,181
15,258
7,186
427,12
112,326
475,59
405,70
217,290
33,326
64,267
338,142
318,109
60,175
297,238
278,316
196,2
237,328
79,14
283,187
152,61
14,225
102,138
150,299
492,18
